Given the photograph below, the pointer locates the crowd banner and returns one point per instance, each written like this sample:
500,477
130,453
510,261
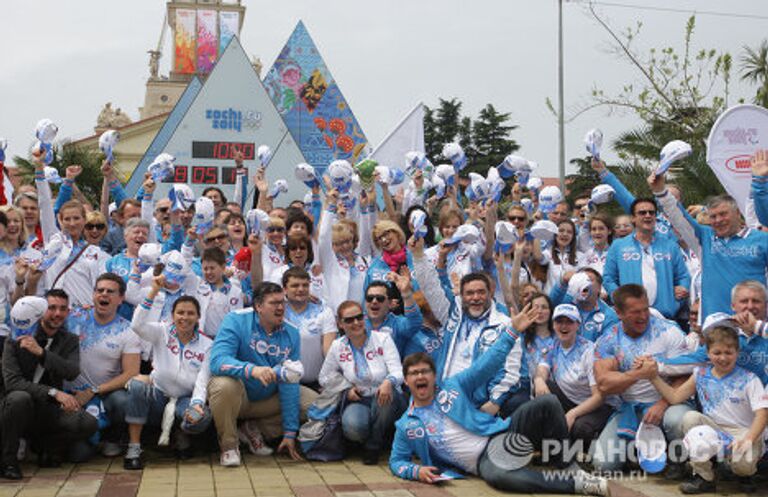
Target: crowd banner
736,135
228,22
207,44
184,61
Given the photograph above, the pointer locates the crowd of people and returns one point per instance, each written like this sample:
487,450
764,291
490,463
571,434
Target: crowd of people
466,331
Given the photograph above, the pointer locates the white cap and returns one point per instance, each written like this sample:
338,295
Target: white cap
176,267
511,164
651,448
719,319
534,183
438,185
580,286
51,253
417,161
446,172
306,174
257,220
672,152
46,131
704,442
544,230
162,167
569,311
594,142
52,175
417,220
454,153
602,194
26,312
149,255
506,236
181,196
112,208
107,142
289,371
204,215
549,197
264,153
478,188
278,187
467,233
340,172
31,256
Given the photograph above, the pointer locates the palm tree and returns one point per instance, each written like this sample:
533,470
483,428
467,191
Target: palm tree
754,65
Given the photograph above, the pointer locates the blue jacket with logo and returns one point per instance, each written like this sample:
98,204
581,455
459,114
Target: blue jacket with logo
242,344
454,398
401,328
593,323
624,264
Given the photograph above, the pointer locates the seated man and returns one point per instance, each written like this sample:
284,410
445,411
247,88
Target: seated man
250,343
445,430
618,357
34,369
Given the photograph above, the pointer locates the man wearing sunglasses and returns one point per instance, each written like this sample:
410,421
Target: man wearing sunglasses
378,315
648,259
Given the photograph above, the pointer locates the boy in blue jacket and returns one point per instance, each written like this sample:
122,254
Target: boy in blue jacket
447,432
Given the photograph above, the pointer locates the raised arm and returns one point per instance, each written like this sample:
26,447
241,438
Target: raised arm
152,332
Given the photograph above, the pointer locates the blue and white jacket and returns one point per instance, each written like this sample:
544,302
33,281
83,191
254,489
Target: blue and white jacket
242,344
400,328
454,398
594,322
624,264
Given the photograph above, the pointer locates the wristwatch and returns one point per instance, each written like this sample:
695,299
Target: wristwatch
95,390
52,392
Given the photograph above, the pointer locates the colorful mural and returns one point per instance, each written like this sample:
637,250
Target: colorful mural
228,23
185,42
312,105
207,44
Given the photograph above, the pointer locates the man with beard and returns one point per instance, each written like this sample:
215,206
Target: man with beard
34,369
109,357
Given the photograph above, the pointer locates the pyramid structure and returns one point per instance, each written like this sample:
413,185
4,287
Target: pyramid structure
231,107
311,103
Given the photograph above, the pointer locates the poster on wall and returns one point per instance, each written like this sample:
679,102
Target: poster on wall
735,137
185,42
228,22
207,45
312,105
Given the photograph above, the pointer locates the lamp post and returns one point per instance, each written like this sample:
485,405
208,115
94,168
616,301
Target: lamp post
560,98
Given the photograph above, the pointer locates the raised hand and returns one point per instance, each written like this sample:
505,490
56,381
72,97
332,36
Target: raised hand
402,281
759,163
525,318
73,171
598,166
657,182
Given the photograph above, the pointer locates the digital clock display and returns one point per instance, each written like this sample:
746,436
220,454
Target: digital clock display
222,150
202,175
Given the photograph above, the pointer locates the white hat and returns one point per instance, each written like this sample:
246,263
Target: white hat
594,142
454,153
176,267
672,152
257,220
340,172
544,230
204,215
306,174
467,233
289,371
52,175
719,319
511,164
704,442
389,176
580,287
527,204
417,161
651,448
602,194
569,311
506,236
181,196
278,187
549,197
446,173
26,312
150,254
534,183
51,253
162,167
46,131
107,142
417,219
112,208
264,153
478,188
495,184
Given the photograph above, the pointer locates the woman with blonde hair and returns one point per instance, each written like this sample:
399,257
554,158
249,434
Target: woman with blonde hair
389,239
273,252
96,228
16,236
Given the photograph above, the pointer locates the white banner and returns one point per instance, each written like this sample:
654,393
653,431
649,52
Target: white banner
228,27
736,135
408,136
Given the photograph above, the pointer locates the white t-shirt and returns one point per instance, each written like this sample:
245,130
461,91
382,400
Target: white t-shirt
101,347
313,324
573,369
731,400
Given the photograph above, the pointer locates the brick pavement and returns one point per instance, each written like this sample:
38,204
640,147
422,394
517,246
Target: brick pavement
269,477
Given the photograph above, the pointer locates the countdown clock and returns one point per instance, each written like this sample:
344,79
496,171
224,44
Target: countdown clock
209,175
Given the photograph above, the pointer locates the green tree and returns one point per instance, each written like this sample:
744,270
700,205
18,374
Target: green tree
491,140
754,65
90,180
443,126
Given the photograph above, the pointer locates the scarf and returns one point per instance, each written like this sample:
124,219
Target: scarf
394,259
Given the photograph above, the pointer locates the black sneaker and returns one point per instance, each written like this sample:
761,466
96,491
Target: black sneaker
12,472
676,471
747,485
370,457
133,463
697,485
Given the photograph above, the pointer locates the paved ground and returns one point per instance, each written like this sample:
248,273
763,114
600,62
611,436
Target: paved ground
269,477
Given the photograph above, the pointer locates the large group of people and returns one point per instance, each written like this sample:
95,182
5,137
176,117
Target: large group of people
468,333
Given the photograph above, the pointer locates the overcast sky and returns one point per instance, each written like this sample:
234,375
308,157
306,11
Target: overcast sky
65,60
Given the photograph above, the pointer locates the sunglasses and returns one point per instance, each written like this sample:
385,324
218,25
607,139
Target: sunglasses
515,218
275,229
218,238
162,209
645,213
353,319
95,226
377,298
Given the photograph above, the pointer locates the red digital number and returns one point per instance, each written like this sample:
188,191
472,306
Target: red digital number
226,150
206,175
179,175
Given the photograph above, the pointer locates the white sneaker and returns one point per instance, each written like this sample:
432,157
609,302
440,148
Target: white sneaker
586,484
111,449
230,458
249,434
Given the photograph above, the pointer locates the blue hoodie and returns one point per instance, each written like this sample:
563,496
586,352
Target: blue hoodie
624,264
454,398
401,328
242,344
594,322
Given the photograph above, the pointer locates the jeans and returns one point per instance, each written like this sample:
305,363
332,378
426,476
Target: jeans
588,426
147,404
367,422
538,420
612,451
115,404
516,399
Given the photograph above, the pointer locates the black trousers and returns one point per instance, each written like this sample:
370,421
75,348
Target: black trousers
43,422
588,426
